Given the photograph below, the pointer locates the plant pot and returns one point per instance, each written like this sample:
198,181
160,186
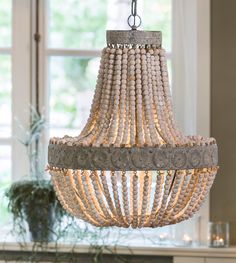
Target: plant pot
34,202
40,218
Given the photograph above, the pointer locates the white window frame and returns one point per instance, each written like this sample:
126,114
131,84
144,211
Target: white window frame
21,82
193,105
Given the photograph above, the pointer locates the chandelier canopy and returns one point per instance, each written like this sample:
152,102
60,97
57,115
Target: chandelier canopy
131,165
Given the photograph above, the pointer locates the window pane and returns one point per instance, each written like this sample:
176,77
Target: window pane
5,96
78,24
157,15
5,23
81,26
5,179
72,83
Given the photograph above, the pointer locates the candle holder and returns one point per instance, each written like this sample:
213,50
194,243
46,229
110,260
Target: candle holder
164,236
218,234
186,234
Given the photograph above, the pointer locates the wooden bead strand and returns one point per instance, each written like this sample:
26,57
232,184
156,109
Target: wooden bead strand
122,98
161,125
97,95
64,191
157,197
148,119
116,86
169,110
125,197
139,102
107,104
134,196
126,137
149,102
160,106
95,209
117,199
107,195
161,211
99,195
131,89
144,201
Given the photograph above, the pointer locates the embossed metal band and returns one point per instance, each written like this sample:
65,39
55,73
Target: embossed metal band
132,159
134,37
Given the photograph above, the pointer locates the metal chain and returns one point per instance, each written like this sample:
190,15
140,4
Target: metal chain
134,8
134,20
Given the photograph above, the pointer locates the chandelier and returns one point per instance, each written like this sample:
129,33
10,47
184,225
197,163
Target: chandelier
131,165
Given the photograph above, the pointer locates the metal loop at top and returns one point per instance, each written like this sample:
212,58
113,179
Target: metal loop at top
134,26
135,16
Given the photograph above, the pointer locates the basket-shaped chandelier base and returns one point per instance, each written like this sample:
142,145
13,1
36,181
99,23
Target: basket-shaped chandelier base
131,165
137,199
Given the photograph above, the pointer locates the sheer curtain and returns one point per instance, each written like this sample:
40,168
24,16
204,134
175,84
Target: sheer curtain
191,73
184,63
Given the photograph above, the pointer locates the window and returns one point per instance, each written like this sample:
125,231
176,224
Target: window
73,45
72,37
5,101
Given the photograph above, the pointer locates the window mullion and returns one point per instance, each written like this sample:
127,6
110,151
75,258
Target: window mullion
80,52
5,50
21,82
5,141
43,72
73,52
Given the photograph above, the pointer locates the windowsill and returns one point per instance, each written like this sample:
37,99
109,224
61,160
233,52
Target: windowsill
8,244
134,250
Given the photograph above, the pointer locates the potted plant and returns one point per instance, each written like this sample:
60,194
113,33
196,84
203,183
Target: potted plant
33,200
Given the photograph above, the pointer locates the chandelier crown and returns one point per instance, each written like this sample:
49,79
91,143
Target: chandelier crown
133,38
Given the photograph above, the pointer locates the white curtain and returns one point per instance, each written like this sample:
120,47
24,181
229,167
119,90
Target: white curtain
185,63
191,74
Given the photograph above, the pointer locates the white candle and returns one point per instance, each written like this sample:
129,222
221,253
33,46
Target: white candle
218,242
187,240
163,237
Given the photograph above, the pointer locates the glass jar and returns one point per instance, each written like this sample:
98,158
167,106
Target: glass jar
218,234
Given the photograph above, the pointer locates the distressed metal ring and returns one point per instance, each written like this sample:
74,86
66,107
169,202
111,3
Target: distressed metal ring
133,25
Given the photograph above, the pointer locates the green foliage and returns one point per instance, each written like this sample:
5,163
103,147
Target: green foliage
28,197
157,16
24,193
84,27
4,212
34,200
37,126
31,140
5,22
76,72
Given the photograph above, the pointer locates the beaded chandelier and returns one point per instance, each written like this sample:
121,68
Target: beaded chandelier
131,165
